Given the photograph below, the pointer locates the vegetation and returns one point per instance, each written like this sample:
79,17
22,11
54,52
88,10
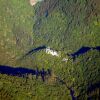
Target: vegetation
69,25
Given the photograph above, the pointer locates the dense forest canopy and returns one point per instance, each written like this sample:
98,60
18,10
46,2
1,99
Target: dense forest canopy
70,28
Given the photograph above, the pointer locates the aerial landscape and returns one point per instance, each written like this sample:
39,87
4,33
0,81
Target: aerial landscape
49,49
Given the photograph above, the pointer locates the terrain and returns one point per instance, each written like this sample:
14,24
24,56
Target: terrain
69,27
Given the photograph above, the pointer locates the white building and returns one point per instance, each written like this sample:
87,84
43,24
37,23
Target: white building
52,52
65,59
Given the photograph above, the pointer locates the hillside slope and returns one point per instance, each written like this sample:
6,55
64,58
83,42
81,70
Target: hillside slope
70,28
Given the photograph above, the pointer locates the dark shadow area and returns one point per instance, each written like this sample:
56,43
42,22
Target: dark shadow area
93,92
34,50
72,92
83,50
23,72
93,87
47,5
46,13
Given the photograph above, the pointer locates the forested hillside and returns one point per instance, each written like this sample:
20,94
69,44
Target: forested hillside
70,29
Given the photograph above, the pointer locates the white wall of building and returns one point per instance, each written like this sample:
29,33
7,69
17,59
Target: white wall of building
52,52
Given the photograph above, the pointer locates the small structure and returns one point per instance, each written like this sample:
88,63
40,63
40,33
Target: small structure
52,52
65,59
